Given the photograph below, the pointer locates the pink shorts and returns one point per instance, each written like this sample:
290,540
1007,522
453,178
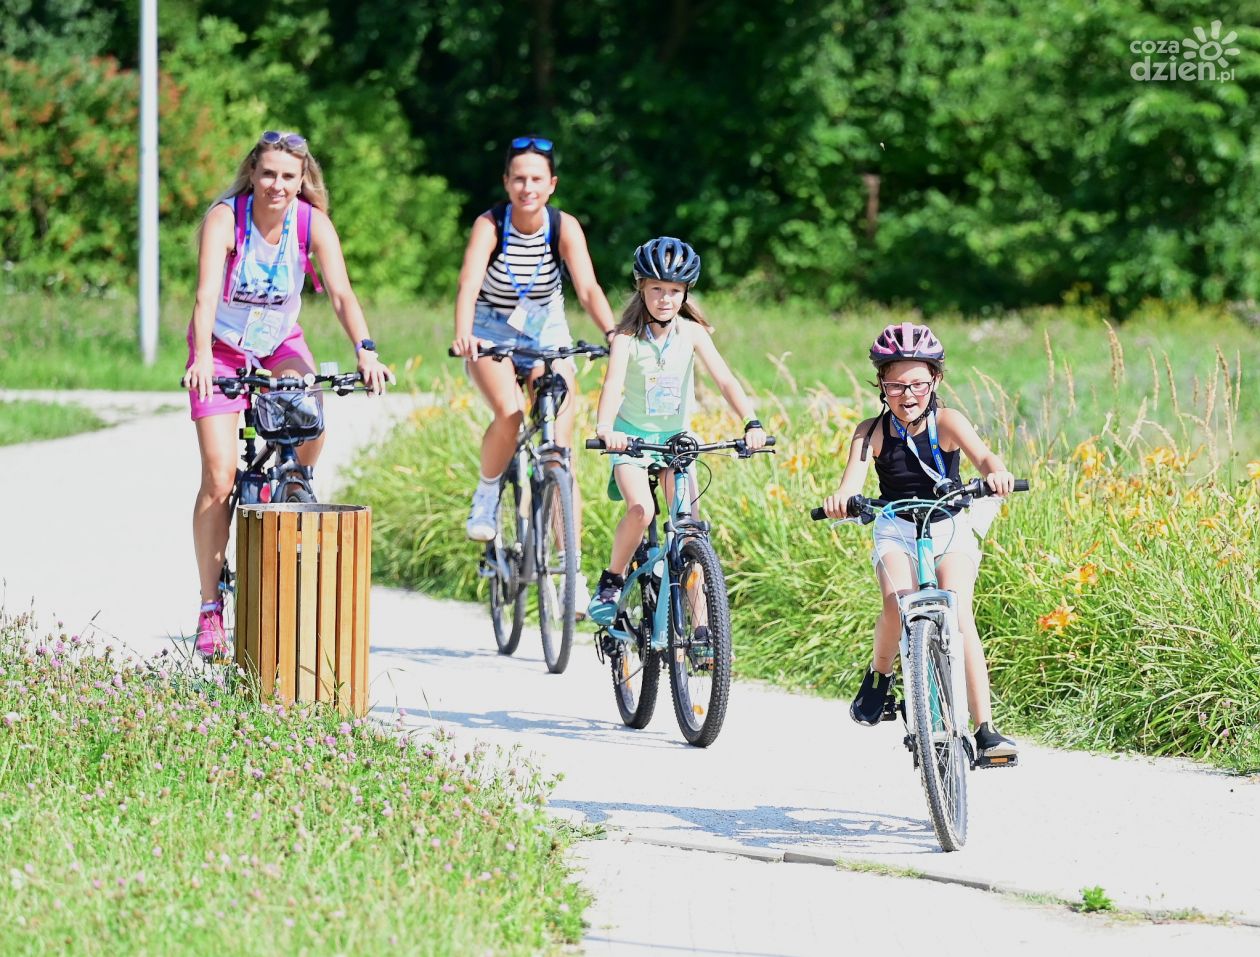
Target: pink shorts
227,360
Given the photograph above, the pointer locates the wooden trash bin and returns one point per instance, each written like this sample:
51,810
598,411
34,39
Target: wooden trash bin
303,578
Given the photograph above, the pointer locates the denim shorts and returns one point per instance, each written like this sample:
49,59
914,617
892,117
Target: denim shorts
491,324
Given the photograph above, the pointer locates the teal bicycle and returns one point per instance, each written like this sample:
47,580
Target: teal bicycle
934,712
689,629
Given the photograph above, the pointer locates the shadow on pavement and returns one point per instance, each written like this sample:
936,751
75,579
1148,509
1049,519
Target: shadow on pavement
768,826
548,725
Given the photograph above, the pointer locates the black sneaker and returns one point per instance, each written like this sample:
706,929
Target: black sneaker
991,743
868,706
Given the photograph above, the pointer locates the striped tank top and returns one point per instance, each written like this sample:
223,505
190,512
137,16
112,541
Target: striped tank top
524,253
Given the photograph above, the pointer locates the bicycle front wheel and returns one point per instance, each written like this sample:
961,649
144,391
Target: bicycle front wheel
700,649
504,556
296,492
636,668
557,568
938,735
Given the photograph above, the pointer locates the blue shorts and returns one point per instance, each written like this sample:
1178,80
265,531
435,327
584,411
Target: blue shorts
491,324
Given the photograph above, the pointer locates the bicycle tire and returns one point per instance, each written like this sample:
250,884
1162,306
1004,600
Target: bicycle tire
939,752
556,534
296,492
636,668
701,687
504,555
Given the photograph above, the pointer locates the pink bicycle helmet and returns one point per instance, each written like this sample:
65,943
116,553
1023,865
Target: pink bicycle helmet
906,340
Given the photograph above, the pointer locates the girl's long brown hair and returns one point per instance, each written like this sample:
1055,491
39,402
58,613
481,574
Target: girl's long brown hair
635,315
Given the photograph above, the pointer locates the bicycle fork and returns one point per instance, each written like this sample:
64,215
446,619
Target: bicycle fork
937,604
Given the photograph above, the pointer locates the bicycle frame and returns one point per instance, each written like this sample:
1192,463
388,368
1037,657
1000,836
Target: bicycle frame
679,528
254,459
938,604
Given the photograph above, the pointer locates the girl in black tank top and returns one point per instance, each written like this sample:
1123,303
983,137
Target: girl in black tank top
909,359
900,474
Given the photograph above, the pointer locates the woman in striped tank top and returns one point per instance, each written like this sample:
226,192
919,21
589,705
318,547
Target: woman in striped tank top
510,293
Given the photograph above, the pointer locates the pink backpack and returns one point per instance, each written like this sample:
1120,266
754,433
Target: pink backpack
239,205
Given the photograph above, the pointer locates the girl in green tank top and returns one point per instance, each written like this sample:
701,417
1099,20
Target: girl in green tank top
649,391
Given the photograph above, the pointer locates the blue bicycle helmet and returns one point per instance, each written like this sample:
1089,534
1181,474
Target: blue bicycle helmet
668,259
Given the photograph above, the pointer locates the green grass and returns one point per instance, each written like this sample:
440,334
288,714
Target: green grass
22,420
1117,601
148,808
52,342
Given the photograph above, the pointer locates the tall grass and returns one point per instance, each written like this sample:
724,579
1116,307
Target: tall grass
147,808
1117,599
60,342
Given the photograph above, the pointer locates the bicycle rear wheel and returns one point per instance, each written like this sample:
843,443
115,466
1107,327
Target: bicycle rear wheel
557,567
938,735
700,664
503,559
636,668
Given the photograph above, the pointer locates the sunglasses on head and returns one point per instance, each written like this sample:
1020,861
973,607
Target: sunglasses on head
895,389
290,141
540,143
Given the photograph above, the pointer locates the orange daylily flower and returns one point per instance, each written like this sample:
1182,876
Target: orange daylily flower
1083,575
1058,620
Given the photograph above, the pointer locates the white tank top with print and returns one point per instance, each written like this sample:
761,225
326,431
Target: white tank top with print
268,276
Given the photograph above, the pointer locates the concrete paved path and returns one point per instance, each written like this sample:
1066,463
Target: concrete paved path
96,529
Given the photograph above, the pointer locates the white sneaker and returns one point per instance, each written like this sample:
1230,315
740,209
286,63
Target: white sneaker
481,519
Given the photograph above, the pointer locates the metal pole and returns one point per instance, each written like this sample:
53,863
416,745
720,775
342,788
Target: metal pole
148,181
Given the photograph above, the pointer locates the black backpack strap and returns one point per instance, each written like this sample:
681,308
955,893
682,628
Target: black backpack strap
557,221
498,213
866,440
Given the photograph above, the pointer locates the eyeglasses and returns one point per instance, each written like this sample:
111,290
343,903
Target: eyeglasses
290,141
895,389
540,143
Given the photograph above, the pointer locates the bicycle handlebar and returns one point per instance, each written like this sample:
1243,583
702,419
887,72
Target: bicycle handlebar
637,447
499,353
866,509
232,386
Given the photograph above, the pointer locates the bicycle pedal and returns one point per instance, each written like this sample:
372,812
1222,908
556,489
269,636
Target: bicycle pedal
997,761
892,709
608,645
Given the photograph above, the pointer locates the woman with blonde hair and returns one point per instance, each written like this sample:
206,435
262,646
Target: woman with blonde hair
255,244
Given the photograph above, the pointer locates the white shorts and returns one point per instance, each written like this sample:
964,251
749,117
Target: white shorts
949,537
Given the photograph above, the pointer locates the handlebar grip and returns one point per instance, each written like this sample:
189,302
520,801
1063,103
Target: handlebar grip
769,441
595,443
817,514
450,351
1021,485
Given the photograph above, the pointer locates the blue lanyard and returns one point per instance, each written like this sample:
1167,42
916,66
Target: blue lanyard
507,228
932,440
665,343
284,241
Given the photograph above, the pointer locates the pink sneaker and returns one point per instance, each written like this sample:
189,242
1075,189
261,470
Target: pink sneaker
212,643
